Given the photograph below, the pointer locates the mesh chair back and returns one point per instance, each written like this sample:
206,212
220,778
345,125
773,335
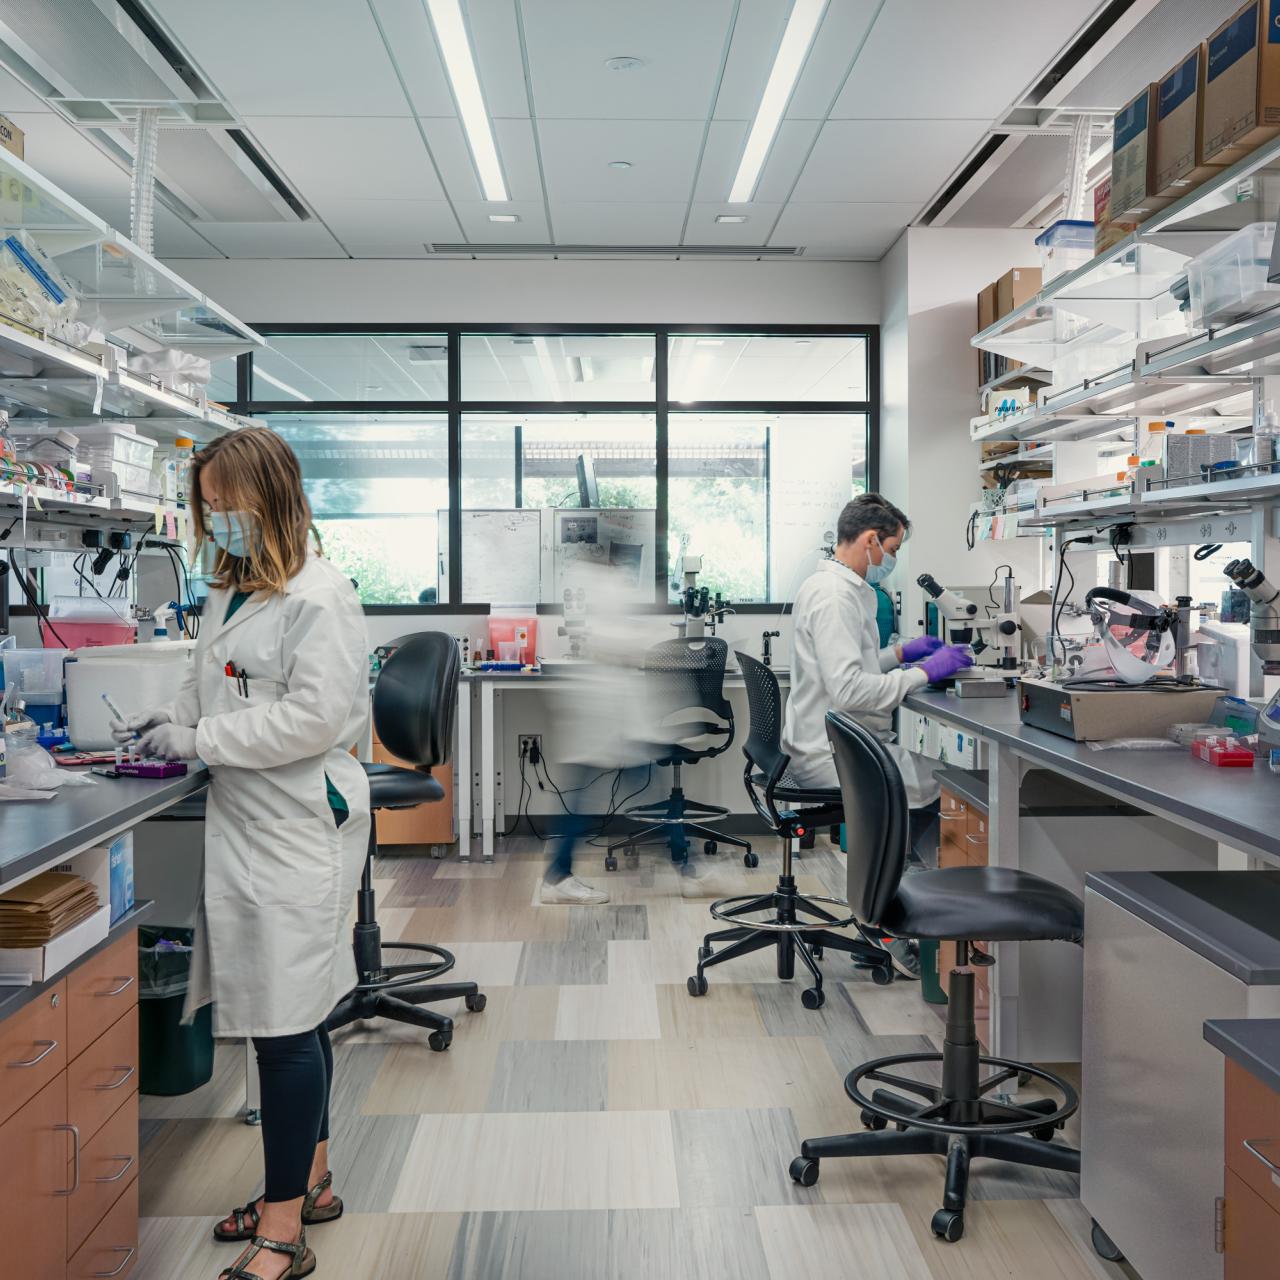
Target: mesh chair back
415,699
764,742
876,816
691,676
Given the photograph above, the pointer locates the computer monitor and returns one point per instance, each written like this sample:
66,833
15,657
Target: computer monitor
588,491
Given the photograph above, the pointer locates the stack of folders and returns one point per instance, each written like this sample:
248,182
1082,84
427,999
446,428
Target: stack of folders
44,907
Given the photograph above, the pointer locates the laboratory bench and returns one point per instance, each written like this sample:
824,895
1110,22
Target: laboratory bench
69,1148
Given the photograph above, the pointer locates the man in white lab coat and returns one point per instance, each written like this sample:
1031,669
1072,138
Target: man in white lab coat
837,664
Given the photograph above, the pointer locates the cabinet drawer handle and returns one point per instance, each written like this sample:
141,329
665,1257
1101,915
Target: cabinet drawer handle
1257,1155
952,817
115,1177
106,1088
75,1152
125,984
128,1250
49,1047
972,839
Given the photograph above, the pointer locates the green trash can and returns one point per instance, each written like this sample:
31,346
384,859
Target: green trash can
172,1059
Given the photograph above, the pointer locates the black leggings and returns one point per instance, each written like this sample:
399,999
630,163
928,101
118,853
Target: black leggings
296,1073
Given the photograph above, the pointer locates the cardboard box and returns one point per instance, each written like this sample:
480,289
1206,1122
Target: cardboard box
1179,137
1018,286
1105,232
1099,715
1133,160
986,318
1242,84
42,963
12,138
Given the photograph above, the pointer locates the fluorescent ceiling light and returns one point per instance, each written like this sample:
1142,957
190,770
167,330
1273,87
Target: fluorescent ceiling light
796,39
451,34
731,217
283,386
504,217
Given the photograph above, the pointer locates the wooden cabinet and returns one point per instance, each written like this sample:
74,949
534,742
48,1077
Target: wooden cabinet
1251,1234
1251,1212
963,842
69,1131
428,823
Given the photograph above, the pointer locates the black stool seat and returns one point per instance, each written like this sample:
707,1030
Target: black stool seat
793,792
997,904
391,787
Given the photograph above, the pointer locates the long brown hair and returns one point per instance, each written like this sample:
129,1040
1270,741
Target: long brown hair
256,472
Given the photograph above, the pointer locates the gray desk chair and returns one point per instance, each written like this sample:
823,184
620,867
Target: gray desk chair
687,679
414,704
961,1118
798,924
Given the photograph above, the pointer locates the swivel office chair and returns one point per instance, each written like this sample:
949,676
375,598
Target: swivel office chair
960,1118
414,704
799,924
686,676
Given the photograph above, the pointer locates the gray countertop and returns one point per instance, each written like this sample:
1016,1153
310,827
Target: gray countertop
1240,807
1231,918
38,832
1253,1043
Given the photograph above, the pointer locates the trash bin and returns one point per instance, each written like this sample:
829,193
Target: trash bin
172,1058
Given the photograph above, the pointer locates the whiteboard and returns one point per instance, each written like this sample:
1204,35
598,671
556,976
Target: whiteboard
622,540
501,556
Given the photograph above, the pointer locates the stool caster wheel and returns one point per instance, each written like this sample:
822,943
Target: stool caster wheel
816,952
872,1121
697,985
1044,1133
813,998
704,952
1104,1246
1024,1078
882,975
439,1041
710,847
750,859
948,1225
611,863
477,1002
804,1170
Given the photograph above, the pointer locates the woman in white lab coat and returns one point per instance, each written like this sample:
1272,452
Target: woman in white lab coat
277,695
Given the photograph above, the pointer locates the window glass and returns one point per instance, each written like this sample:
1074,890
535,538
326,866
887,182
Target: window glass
351,367
757,496
524,476
781,367
375,483
222,381
557,367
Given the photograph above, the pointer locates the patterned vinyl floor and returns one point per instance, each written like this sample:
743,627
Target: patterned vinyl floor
595,1121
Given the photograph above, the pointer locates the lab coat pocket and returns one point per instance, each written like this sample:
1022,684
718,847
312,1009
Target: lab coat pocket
292,862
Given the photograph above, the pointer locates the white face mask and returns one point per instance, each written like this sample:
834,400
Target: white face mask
879,572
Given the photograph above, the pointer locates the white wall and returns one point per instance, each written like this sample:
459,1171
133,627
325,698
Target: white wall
572,291
928,464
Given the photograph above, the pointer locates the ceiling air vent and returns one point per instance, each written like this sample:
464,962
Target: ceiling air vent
615,250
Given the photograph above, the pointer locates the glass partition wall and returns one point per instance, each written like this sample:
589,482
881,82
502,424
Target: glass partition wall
462,467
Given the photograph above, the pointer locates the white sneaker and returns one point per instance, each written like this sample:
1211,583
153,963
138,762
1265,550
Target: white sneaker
572,892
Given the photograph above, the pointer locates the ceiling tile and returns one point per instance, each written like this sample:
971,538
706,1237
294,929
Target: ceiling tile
613,223
703,228
407,35
375,228
923,68
681,46
174,238
288,57
271,239
720,157
576,156
516,152
757,33
495,37
869,160
349,157
531,229
15,96
862,231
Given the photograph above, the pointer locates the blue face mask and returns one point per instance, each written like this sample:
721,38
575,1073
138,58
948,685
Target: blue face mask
234,531
879,572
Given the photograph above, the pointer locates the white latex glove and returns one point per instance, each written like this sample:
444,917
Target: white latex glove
169,742
124,731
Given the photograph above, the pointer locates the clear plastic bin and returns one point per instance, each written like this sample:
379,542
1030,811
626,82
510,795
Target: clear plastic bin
113,442
36,673
1066,245
1229,281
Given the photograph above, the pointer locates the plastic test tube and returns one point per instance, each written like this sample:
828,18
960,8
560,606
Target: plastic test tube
115,711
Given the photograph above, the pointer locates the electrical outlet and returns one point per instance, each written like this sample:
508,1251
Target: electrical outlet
528,742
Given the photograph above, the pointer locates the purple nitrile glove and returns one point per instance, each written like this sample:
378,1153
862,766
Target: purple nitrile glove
920,648
946,662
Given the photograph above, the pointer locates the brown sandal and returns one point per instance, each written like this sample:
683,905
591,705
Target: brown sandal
304,1260
312,1214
